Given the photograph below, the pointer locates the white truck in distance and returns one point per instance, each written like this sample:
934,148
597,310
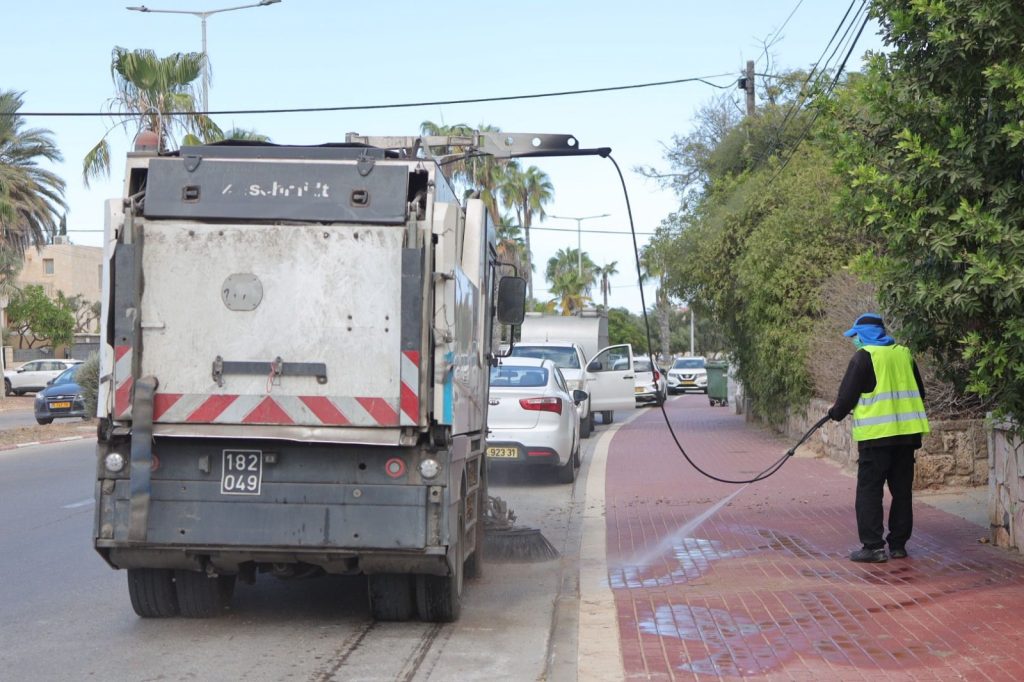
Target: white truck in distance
295,368
578,344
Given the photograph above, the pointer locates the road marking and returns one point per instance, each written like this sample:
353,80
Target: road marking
83,503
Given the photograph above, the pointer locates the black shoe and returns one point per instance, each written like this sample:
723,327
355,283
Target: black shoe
897,553
869,556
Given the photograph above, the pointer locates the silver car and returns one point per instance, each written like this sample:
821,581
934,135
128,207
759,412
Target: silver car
533,417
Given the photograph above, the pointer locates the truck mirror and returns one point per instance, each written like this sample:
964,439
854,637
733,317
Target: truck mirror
511,302
595,366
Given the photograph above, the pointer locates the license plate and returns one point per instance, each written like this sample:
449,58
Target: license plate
242,472
60,406
639,390
508,453
687,383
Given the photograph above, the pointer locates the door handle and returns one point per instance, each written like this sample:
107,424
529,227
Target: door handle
628,376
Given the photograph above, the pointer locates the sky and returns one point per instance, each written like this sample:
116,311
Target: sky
335,53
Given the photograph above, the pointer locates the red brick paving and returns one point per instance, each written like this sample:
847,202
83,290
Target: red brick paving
763,588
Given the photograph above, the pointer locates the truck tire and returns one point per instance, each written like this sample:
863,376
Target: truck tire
200,596
607,416
7,387
391,596
152,592
439,597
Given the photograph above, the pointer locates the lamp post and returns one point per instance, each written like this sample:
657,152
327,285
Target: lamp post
203,16
579,239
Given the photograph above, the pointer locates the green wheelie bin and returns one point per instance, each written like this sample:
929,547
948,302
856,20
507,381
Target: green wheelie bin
718,393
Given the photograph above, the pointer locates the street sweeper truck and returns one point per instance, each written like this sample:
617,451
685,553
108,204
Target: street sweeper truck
294,373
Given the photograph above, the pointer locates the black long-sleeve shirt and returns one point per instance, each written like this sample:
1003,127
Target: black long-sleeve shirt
859,379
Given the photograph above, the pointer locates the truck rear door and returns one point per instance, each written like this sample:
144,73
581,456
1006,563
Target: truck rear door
611,379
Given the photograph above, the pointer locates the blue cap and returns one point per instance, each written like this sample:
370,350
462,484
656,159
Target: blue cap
865,320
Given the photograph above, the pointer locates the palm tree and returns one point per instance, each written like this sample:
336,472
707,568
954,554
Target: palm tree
537,192
571,291
654,264
147,88
604,274
31,198
571,260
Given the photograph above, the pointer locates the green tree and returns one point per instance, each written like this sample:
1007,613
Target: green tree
931,146
527,193
625,327
38,319
148,87
31,198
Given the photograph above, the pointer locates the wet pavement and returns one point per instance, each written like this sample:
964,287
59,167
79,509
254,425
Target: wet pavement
763,588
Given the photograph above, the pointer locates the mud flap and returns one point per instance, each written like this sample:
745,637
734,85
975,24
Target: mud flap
142,457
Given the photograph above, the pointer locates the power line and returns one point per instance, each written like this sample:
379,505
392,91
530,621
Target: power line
569,229
406,105
774,36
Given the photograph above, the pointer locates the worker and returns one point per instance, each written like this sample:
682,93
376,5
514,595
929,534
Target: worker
883,388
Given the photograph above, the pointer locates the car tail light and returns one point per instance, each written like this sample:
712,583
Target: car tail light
542,404
657,375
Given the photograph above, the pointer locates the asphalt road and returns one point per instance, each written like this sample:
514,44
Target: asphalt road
17,411
67,616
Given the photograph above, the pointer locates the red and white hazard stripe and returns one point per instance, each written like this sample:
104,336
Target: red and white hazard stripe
123,382
194,408
410,399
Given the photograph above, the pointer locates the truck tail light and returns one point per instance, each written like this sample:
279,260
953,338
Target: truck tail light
542,404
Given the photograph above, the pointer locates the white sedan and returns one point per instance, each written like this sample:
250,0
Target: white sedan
533,419
34,375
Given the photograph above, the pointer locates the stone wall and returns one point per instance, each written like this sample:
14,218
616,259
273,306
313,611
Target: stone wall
1006,486
954,455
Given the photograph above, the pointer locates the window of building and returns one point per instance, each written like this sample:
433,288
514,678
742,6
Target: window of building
48,266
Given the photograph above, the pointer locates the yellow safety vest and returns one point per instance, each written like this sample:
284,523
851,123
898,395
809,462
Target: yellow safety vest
895,407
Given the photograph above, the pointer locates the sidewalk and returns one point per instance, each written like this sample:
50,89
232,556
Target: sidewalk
763,588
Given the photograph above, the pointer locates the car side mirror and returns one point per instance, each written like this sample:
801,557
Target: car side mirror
20,370
50,382
579,396
595,366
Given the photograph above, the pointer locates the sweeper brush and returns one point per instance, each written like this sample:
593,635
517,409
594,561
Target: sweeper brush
504,541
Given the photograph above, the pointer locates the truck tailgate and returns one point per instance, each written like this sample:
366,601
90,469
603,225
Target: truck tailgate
304,323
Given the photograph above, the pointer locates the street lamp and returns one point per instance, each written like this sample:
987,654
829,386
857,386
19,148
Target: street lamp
579,247
202,16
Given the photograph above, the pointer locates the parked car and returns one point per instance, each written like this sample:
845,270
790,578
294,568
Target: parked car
533,417
62,398
688,374
570,360
34,375
651,385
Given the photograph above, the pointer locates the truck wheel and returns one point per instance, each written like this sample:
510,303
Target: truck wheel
439,597
7,387
200,596
152,592
607,416
391,596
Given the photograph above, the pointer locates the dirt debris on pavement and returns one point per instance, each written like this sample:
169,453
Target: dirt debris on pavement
64,428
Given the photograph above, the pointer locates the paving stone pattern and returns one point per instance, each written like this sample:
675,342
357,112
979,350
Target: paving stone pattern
763,589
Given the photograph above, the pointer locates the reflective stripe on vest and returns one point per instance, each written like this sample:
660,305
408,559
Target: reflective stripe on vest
895,407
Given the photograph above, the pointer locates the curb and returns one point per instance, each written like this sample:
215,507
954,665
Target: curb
64,439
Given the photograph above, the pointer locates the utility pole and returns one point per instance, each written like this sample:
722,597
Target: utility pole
693,351
748,85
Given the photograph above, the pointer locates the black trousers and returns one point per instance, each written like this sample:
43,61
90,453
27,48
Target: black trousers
876,467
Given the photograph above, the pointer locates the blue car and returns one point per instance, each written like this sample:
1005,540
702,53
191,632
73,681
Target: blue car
62,397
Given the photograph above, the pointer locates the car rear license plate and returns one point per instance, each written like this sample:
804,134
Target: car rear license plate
508,453
242,472
60,406
639,390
